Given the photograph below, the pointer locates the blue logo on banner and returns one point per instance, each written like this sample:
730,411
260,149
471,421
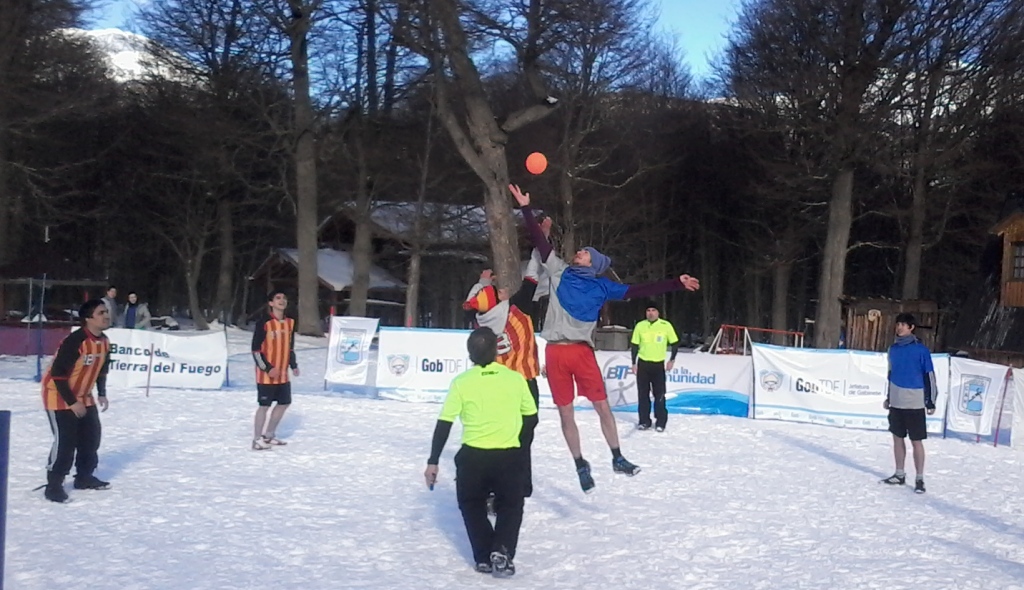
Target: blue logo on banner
350,346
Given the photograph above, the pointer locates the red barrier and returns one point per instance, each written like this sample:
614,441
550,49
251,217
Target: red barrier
26,341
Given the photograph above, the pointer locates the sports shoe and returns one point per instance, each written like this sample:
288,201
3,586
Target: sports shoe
91,482
502,564
659,429
55,492
586,480
621,465
895,480
259,445
270,440
643,426
484,568
919,486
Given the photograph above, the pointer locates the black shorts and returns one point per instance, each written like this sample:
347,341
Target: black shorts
268,394
912,423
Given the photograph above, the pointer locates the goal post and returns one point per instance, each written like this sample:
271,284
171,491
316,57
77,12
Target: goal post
735,339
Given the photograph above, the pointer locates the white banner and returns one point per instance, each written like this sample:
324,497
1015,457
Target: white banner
1017,427
419,364
181,361
697,384
976,389
348,350
835,387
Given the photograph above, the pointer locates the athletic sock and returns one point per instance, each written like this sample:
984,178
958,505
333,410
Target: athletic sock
580,463
616,453
920,477
901,473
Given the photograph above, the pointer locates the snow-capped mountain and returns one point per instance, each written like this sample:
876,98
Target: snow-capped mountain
125,52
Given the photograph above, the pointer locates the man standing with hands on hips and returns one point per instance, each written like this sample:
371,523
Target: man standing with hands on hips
649,344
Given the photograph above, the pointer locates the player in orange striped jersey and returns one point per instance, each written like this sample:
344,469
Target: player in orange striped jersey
517,344
81,363
273,349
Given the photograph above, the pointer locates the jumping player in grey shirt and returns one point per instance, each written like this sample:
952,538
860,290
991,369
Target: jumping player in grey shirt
577,294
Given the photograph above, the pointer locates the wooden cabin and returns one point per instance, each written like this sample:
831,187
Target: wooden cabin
990,326
871,323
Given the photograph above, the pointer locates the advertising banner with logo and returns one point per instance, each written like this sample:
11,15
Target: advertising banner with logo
835,387
180,361
348,350
697,383
976,389
1017,428
418,364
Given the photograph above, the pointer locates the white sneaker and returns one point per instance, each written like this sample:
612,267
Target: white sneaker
259,445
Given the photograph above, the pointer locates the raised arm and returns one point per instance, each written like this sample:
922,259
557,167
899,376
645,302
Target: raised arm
661,287
540,242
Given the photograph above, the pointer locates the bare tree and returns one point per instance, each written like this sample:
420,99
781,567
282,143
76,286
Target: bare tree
438,29
836,66
295,19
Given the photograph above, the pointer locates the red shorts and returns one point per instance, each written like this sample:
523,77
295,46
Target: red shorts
567,363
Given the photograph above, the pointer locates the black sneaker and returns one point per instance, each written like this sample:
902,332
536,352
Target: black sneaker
586,480
91,482
895,480
502,564
55,493
484,568
621,465
919,486
643,427
659,429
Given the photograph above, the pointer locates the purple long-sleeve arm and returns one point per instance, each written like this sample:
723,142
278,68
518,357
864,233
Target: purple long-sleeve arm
536,234
652,289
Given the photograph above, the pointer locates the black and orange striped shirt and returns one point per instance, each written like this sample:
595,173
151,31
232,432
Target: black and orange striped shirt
81,363
517,345
273,345
522,344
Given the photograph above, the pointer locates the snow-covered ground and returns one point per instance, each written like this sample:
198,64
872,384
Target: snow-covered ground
721,503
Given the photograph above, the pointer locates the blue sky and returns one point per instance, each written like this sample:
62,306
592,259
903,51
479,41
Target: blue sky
699,25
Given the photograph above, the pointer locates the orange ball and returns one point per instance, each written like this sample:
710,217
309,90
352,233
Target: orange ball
536,163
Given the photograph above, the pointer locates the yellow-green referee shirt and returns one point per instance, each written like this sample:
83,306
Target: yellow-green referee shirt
491,402
653,340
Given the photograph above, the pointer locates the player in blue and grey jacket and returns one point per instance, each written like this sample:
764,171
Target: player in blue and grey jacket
910,397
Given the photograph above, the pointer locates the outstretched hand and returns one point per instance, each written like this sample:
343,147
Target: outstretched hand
689,283
522,198
486,275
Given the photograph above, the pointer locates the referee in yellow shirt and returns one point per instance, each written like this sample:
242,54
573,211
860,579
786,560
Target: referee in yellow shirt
494,404
650,343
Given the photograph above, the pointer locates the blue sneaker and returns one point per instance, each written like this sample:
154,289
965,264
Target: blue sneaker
621,465
586,480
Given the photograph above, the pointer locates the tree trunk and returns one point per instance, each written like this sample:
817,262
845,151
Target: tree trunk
305,179
568,216
391,61
412,291
362,242
780,300
6,210
362,257
831,281
225,274
708,278
371,57
915,241
193,268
